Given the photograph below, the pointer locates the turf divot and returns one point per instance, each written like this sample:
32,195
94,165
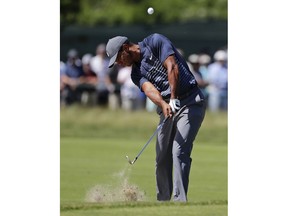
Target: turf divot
122,192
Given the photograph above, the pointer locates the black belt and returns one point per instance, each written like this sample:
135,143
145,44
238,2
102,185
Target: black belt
183,96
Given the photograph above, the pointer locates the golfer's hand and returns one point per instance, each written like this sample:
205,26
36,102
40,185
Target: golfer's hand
174,104
166,109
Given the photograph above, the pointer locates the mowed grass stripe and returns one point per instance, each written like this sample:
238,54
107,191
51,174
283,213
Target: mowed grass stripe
83,206
207,210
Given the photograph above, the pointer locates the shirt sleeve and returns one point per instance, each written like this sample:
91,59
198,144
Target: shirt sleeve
161,47
137,78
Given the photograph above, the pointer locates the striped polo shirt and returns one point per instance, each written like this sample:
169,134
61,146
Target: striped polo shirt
154,50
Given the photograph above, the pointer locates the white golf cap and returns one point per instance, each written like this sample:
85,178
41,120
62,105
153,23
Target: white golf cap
86,58
220,55
193,58
204,59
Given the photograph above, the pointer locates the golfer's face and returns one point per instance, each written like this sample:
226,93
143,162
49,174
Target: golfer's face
124,58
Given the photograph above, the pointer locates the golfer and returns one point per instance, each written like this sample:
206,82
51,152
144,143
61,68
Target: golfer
163,75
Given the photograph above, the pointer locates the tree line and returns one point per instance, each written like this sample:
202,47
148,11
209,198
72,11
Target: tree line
117,12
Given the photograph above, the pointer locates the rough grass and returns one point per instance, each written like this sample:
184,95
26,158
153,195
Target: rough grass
96,122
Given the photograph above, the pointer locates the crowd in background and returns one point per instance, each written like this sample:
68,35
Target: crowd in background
87,80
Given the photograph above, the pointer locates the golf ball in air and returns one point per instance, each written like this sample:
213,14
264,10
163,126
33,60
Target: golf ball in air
150,10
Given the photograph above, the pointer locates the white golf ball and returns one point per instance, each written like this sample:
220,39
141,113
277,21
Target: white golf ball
150,10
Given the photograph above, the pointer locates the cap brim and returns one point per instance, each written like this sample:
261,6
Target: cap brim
112,60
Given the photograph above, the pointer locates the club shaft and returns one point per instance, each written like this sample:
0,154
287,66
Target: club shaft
156,131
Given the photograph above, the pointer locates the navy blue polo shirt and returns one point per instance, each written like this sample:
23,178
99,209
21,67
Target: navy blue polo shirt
154,50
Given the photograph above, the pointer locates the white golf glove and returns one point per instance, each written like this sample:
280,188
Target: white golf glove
174,104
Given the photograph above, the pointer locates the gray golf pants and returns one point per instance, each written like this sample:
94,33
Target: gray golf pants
173,150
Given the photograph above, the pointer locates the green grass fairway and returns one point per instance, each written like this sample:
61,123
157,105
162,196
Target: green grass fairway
144,209
93,146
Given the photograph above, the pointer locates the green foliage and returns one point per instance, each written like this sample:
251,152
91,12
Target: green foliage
69,10
113,12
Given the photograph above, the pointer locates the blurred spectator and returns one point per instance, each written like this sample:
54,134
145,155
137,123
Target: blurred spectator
204,61
62,84
89,76
114,99
70,77
99,65
218,82
130,94
87,85
193,59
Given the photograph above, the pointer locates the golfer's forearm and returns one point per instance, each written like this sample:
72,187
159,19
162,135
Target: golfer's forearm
156,98
173,80
153,94
173,74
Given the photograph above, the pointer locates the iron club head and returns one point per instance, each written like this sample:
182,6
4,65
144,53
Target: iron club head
129,161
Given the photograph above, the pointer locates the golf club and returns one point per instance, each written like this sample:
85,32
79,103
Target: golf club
158,128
